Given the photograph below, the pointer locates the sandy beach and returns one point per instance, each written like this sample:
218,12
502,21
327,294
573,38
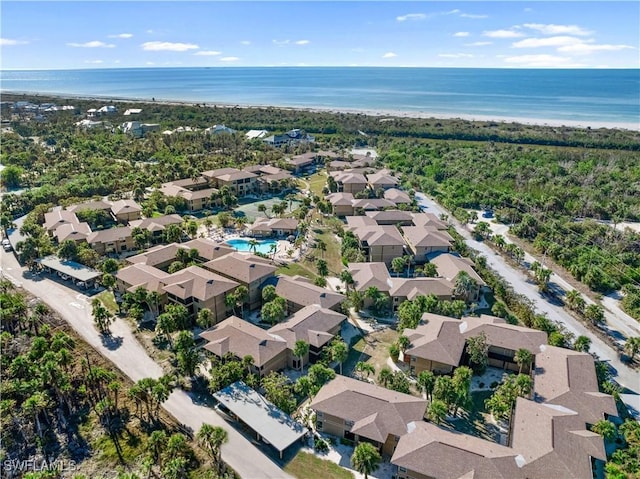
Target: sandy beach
355,111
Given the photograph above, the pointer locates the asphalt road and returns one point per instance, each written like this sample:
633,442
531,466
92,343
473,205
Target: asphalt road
127,354
623,374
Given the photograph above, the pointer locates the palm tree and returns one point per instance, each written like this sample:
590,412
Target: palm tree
253,244
465,286
347,279
385,376
273,249
365,459
365,368
101,316
523,358
211,438
605,428
437,411
582,344
632,347
339,351
397,265
300,350
427,381
572,299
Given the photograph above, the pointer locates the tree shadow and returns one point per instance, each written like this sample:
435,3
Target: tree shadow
110,341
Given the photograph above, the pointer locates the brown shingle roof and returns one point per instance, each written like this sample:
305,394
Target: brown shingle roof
236,175
379,235
197,282
220,171
373,203
366,275
503,335
397,196
109,235
568,378
439,453
359,221
381,179
138,275
449,265
72,231
92,205
375,411
156,224
412,287
300,291
270,224
125,206
340,199
427,238
429,220
243,267
439,339
58,217
311,324
396,216
241,338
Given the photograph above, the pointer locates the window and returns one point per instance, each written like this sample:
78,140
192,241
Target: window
402,469
319,425
413,359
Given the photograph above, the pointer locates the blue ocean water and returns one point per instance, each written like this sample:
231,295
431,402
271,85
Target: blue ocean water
593,96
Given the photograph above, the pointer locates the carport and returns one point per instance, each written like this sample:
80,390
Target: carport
271,425
79,273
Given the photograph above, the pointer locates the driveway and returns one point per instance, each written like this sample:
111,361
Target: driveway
624,375
126,353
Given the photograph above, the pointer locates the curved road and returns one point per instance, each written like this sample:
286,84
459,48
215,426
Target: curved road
623,374
127,354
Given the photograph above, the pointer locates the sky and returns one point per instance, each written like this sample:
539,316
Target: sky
505,34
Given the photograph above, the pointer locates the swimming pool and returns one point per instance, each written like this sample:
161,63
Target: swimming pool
242,244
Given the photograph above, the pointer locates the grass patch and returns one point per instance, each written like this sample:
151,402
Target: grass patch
309,466
131,447
109,301
332,255
295,269
475,420
317,182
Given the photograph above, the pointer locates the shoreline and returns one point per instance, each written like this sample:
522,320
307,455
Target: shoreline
375,112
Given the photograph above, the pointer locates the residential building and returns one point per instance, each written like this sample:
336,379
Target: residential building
397,196
313,324
156,225
218,129
349,182
299,292
197,288
361,411
380,243
428,451
367,275
140,275
424,242
382,180
429,221
278,227
163,255
242,338
138,129
245,268
126,210
392,217
196,197
303,163
241,183
256,134
75,232
410,288
92,205
449,266
111,241
292,137
58,217
341,204
371,204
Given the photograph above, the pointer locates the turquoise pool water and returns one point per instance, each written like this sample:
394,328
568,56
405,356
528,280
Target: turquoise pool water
241,244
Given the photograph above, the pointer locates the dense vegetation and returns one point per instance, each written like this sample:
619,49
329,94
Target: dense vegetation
65,404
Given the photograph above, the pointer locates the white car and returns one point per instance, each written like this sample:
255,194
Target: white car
6,245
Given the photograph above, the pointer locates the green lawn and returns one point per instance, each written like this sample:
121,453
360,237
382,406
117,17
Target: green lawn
309,466
331,255
294,269
109,301
316,182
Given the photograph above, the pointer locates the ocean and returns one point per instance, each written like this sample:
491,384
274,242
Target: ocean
593,97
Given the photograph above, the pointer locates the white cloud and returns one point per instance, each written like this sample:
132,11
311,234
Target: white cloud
502,34
149,31
455,55
553,29
92,44
411,16
541,61
559,41
94,62
588,48
6,42
473,15
303,42
229,59
389,55
478,44
150,63
122,35
245,42
207,53
461,34
451,12
280,42
169,46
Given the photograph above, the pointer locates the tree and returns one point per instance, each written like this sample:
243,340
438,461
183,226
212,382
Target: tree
465,286
429,270
606,429
398,265
274,311
263,209
426,382
101,316
321,246
365,459
632,347
582,344
482,229
478,349
347,279
594,313
322,267
300,350
205,318
365,368
339,351
172,233
385,376
211,438
523,358
268,293
437,411
575,301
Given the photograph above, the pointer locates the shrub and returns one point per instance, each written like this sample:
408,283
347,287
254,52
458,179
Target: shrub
320,445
